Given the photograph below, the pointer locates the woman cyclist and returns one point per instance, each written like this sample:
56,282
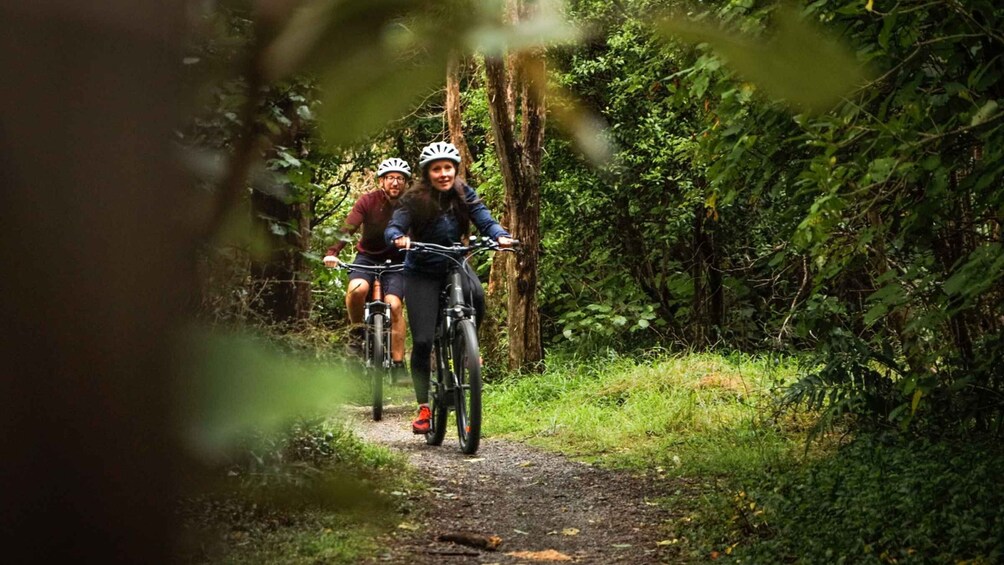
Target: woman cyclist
439,208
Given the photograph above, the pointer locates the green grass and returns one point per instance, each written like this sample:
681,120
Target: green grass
693,414
267,484
313,537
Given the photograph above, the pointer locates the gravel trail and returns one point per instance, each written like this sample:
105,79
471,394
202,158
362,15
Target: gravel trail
542,505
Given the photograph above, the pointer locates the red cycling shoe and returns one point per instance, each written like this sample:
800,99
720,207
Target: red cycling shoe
423,423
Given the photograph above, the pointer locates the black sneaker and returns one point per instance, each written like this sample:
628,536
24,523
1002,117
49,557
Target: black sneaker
355,342
398,372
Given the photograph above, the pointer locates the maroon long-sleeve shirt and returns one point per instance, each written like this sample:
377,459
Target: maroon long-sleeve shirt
372,211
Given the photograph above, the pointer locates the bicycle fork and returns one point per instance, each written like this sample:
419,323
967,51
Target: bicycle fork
375,306
455,310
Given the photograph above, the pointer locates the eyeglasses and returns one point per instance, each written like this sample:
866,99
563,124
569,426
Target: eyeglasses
395,180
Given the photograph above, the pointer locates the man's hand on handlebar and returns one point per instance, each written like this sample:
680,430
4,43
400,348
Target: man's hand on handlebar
403,242
504,241
330,261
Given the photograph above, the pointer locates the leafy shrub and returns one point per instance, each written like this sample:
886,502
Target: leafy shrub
881,499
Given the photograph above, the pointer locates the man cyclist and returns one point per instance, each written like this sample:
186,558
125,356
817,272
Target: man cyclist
372,211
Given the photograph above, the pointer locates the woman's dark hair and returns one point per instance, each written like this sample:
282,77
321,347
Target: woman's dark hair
426,203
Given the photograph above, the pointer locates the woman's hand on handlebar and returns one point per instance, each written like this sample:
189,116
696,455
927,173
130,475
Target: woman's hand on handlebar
403,242
506,243
330,261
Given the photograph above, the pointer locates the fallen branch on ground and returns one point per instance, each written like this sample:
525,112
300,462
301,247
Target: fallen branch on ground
490,543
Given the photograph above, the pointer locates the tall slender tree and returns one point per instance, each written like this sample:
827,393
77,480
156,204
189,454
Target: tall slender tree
454,115
519,78
491,327
284,275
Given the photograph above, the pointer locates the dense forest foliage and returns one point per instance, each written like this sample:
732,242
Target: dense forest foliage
869,233
731,213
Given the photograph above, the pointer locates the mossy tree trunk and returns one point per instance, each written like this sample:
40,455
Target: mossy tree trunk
519,140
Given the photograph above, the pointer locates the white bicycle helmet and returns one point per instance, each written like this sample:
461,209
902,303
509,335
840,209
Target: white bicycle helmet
394,165
438,150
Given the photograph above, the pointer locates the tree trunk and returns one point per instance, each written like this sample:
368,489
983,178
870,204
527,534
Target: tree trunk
519,159
525,348
497,304
898,318
710,276
715,287
698,324
495,299
282,280
454,117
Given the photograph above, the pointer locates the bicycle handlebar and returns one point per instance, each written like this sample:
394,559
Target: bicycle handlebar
477,244
377,269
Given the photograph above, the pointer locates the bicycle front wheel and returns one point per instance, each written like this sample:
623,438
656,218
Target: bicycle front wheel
466,363
374,365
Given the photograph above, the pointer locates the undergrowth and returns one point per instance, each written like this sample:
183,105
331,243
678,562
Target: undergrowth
265,485
311,493
881,499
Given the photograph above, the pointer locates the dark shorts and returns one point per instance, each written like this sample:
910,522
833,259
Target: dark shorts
392,283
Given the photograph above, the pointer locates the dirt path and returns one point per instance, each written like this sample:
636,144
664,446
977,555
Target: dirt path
533,500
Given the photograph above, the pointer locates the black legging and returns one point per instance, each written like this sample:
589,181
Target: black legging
422,300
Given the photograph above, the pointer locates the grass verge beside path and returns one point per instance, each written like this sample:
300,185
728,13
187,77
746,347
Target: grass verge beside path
749,490
267,482
314,493
696,414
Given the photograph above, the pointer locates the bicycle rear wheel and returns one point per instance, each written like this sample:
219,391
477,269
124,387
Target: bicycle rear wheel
374,365
467,366
438,404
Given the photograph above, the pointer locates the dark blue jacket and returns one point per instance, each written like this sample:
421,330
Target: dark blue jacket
442,230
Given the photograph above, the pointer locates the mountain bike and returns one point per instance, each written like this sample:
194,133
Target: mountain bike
457,360
377,322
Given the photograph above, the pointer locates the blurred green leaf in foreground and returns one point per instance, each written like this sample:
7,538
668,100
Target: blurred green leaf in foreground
237,384
797,62
378,59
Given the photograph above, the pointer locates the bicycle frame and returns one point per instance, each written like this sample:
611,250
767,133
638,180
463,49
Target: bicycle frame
375,305
453,309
